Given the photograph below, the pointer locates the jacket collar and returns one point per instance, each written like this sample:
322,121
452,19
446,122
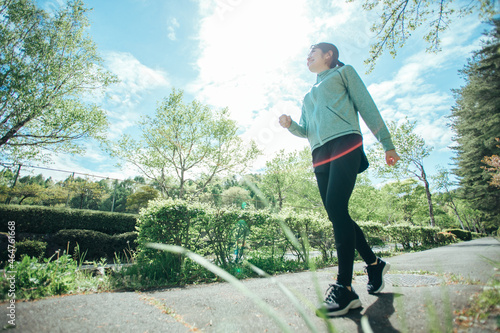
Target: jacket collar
323,74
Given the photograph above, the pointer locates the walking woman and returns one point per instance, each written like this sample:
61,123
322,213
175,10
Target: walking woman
330,122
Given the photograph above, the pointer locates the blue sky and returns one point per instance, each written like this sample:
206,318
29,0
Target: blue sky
249,55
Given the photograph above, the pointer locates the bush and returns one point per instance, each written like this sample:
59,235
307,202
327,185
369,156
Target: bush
464,235
49,220
94,245
408,235
35,280
30,248
169,222
374,232
444,238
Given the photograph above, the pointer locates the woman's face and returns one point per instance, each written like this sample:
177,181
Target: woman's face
317,61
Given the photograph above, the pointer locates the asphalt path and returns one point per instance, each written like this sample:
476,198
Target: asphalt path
423,290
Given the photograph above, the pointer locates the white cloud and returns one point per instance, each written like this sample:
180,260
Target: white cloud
173,25
136,81
134,77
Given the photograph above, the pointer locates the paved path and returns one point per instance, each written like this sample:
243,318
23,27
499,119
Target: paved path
408,303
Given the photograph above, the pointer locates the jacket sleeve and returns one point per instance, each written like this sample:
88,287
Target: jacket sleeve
364,104
299,129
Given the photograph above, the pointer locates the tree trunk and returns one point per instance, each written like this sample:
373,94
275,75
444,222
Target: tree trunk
423,178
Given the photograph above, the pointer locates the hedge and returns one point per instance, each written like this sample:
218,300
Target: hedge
464,235
221,234
94,245
49,220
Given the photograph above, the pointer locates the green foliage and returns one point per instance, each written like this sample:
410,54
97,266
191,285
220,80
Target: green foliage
445,238
412,149
475,120
464,235
410,235
398,19
48,64
30,248
171,222
94,244
43,220
35,280
289,180
183,137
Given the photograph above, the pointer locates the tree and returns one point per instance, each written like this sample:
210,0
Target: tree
289,179
235,196
475,119
181,141
443,182
47,64
399,18
365,192
493,163
87,193
412,149
140,198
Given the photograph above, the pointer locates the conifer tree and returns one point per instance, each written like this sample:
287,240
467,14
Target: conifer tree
476,122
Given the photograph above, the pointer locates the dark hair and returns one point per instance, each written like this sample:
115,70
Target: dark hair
325,48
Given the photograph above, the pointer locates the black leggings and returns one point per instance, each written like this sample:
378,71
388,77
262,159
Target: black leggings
336,181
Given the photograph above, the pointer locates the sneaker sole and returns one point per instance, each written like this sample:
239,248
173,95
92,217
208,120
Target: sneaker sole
355,303
386,268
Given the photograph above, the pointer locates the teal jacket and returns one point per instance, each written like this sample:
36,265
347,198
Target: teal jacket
330,109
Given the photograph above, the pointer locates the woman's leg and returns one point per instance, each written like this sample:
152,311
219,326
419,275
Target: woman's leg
336,184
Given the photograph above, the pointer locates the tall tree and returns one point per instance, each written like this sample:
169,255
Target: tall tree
47,64
413,150
289,179
398,19
186,140
443,182
493,166
475,118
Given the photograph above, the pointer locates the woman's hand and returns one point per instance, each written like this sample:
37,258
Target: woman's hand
285,121
391,157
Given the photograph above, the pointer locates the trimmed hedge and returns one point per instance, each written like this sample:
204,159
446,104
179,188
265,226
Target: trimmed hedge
49,220
217,234
464,235
31,248
94,244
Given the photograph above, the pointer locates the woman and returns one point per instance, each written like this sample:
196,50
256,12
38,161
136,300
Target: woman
330,122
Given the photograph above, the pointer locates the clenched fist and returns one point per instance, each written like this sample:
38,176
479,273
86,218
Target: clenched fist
285,121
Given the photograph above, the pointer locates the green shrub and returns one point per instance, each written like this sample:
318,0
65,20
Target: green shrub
35,280
400,234
444,238
408,235
49,220
464,235
31,248
170,222
374,232
126,241
94,244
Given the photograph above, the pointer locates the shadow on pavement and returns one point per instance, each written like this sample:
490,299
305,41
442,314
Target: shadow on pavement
378,314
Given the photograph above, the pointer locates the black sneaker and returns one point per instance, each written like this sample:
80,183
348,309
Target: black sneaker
376,276
339,301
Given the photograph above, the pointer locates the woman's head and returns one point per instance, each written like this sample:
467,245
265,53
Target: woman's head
323,56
